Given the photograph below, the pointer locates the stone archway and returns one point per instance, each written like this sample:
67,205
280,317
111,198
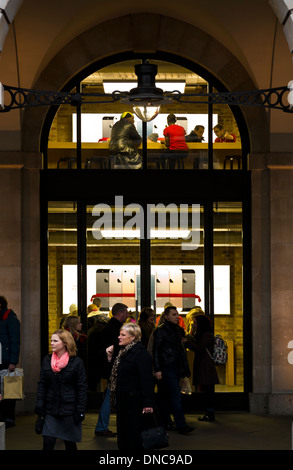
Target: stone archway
144,33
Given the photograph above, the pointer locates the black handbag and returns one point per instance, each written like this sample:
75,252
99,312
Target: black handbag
39,425
155,437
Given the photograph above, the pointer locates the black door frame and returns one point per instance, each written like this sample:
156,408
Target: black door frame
80,186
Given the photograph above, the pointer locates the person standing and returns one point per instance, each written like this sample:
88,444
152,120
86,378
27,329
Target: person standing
74,326
170,365
131,386
10,346
205,374
147,324
62,393
110,338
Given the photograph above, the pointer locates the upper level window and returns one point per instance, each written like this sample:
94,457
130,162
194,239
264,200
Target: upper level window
190,136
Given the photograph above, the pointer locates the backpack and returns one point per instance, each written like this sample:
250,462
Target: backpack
220,352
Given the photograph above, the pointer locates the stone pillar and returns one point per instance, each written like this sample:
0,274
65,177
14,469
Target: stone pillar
272,281
281,184
261,296
10,235
20,258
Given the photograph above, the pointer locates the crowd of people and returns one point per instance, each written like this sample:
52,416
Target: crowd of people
136,356
125,140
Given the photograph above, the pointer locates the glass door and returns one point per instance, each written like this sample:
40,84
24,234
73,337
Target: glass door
113,255
148,255
228,291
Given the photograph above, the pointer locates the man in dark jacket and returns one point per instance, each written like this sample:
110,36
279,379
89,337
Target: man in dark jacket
110,337
170,365
10,348
196,135
124,143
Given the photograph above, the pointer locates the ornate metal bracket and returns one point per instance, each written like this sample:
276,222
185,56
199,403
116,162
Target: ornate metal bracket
16,98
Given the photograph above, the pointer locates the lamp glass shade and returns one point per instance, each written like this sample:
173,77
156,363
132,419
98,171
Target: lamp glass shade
146,113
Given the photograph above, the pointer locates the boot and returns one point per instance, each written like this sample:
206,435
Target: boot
210,416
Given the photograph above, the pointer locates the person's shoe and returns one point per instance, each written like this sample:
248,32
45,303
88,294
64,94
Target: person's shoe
170,426
185,430
209,417
106,433
9,423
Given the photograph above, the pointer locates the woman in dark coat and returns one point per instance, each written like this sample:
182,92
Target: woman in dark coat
131,387
147,324
205,375
74,326
170,365
62,393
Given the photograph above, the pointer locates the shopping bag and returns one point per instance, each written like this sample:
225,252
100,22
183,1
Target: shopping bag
155,437
13,385
185,386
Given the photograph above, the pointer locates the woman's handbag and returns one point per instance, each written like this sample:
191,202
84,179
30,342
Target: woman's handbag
39,425
155,438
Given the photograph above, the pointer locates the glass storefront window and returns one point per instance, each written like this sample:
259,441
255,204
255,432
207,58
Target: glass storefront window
62,262
228,291
84,134
188,254
61,152
178,267
227,148
177,256
177,261
113,255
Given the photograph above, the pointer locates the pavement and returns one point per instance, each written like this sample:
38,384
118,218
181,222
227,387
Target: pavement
240,431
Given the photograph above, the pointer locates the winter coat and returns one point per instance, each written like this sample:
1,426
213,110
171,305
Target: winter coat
63,393
168,350
193,137
124,143
204,369
134,376
124,139
109,338
134,391
9,336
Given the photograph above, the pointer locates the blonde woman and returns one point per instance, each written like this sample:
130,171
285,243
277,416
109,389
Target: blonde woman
131,386
62,393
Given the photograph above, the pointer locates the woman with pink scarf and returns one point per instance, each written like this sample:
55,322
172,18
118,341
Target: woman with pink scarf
62,394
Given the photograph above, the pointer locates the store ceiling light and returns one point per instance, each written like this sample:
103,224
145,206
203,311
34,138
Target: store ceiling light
121,86
146,98
125,86
155,233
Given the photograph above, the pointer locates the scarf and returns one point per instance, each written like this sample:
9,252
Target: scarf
113,377
58,363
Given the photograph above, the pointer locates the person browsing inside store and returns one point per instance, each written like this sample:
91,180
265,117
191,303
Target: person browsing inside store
174,140
196,135
124,143
223,135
